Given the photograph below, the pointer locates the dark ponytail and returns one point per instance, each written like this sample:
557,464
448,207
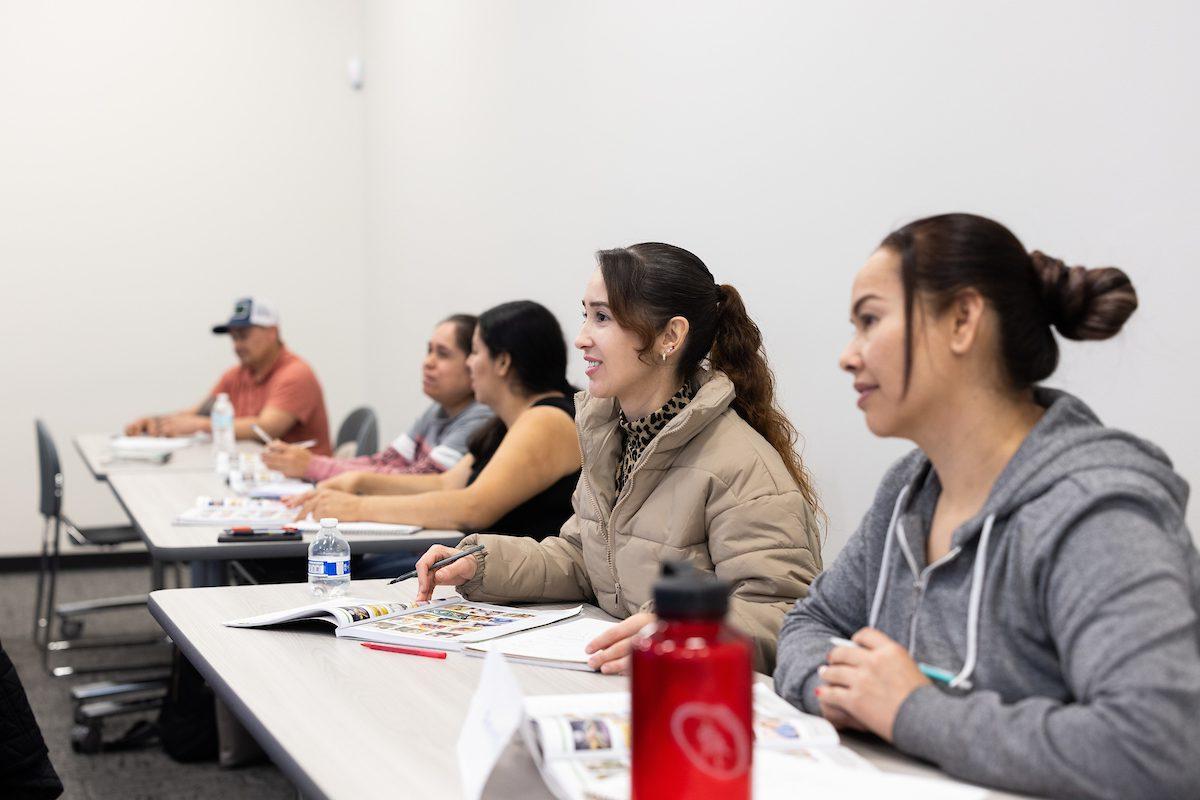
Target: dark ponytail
533,340
652,282
737,351
941,256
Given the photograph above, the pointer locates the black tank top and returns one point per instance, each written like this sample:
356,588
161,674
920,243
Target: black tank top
543,514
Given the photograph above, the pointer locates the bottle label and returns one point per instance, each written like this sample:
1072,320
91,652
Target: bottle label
712,738
334,568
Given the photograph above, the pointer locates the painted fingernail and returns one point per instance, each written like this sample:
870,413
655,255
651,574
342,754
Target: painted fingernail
821,670
817,691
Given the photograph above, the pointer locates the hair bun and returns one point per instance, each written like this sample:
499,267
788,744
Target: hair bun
1084,303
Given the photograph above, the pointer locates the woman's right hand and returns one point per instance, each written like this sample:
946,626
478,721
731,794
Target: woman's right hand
146,426
455,574
289,459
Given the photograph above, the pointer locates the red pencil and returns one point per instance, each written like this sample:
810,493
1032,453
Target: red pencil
408,651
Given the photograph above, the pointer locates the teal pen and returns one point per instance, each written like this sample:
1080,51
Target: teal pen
942,676
933,673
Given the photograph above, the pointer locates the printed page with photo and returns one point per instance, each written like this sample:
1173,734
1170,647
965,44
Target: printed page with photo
340,612
453,625
581,743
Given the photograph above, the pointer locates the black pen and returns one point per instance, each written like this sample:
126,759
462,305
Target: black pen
470,551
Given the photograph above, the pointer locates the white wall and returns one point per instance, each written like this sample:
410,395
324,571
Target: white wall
780,141
158,160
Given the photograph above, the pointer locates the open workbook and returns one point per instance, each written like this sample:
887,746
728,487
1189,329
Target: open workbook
581,744
447,624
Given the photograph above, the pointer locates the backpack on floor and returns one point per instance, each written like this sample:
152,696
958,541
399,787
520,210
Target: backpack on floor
187,723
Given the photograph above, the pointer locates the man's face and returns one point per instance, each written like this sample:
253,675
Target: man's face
254,344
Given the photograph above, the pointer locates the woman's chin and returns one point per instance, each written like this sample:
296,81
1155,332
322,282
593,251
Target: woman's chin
596,388
880,426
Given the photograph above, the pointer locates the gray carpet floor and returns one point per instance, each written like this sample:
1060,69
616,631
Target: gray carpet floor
131,775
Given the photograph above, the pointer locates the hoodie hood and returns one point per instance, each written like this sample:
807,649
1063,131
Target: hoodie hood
1067,445
1068,442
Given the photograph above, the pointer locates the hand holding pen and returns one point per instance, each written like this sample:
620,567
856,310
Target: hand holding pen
266,439
290,459
866,681
443,566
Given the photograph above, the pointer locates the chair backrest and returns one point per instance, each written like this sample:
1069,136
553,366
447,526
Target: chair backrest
49,472
362,428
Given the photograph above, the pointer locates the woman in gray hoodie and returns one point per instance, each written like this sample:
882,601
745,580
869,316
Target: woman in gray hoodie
1023,595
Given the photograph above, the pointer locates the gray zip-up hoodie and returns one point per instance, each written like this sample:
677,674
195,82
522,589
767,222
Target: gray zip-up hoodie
1068,611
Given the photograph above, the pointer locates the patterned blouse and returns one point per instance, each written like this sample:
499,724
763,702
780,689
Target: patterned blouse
637,435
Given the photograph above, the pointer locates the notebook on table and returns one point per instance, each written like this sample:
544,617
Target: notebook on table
560,646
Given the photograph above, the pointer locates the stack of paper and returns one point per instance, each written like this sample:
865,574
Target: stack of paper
553,646
146,448
229,512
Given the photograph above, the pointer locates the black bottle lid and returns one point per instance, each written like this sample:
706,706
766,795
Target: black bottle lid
684,592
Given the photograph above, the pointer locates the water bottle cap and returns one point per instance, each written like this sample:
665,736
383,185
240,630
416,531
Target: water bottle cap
684,592
328,522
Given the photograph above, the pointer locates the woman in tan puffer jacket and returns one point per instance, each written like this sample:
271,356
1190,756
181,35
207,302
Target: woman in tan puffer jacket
681,460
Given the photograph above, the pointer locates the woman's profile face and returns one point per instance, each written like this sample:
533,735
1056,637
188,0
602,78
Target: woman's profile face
485,380
444,375
610,352
875,354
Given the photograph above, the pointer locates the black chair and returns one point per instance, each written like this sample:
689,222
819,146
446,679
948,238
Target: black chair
362,428
70,616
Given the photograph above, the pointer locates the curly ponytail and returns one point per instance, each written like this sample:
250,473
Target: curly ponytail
652,282
737,351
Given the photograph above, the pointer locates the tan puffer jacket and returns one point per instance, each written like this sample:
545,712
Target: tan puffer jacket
708,490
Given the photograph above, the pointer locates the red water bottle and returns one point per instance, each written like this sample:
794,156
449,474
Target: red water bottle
691,694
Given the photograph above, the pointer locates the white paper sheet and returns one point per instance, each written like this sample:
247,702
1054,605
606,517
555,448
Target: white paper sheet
153,444
562,643
777,776
492,718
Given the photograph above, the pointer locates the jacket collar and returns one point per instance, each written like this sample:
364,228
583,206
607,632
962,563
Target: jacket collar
596,418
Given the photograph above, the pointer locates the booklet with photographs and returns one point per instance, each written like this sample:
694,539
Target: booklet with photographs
447,624
581,742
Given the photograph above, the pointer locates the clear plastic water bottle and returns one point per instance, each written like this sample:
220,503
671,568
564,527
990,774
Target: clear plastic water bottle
329,561
221,419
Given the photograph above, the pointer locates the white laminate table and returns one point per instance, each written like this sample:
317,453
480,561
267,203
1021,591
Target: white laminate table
96,453
153,500
343,721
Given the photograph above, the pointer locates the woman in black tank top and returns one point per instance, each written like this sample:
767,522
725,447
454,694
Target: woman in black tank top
543,514
522,467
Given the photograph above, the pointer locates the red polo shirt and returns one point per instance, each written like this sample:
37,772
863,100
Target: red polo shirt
289,385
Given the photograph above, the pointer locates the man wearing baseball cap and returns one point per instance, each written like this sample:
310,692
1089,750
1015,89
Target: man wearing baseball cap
271,387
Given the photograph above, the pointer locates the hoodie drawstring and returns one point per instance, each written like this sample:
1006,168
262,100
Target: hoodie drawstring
962,679
881,584
964,674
